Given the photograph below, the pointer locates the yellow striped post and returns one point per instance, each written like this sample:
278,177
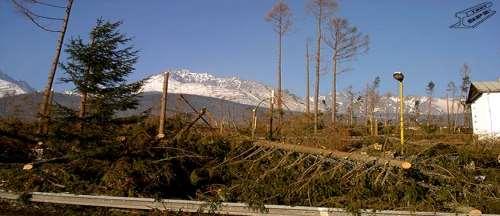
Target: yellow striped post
400,77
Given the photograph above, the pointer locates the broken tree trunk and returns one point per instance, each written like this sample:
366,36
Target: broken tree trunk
163,109
254,122
271,113
191,124
335,154
195,111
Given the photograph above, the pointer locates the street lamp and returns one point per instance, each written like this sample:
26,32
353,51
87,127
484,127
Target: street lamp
400,77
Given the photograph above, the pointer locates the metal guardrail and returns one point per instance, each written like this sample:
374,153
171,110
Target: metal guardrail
197,206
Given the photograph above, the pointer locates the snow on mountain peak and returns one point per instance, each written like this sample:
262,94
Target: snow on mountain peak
10,86
228,88
250,92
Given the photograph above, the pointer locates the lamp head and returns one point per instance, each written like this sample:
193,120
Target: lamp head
398,76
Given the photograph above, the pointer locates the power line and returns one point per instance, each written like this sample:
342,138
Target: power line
33,17
47,4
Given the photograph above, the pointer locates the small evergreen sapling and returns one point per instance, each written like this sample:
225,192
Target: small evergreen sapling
100,68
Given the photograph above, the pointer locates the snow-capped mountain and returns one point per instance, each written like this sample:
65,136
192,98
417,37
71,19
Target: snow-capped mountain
390,103
10,86
227,88
251,92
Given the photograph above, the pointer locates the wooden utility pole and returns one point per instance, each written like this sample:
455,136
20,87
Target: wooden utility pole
44,107
308,108
163,108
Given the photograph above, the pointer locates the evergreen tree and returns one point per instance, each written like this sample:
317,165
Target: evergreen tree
99,69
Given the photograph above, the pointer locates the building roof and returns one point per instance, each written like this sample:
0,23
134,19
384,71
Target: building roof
477,88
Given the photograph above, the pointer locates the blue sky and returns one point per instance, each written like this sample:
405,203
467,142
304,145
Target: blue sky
231,38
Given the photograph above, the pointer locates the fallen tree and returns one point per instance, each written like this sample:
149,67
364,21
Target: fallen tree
334,153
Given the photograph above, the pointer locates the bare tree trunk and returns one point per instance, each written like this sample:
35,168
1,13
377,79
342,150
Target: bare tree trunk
448,112
316,81
387,116
81,113
163,108
308,108
467,116
334,94
350,111
366,108
254,122
463,107
280,94
43,127
271,113
371,114
83,102
453,113
429,111
51,101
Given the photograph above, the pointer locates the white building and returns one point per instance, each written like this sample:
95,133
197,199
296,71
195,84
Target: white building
484,99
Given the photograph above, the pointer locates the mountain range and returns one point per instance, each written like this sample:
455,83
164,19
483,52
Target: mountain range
232,90
251,92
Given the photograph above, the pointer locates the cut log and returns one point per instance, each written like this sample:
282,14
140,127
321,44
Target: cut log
336,154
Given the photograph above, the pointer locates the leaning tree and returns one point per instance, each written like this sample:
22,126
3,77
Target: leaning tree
28,8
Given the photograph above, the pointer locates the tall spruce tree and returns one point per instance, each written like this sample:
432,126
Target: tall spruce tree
99,69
